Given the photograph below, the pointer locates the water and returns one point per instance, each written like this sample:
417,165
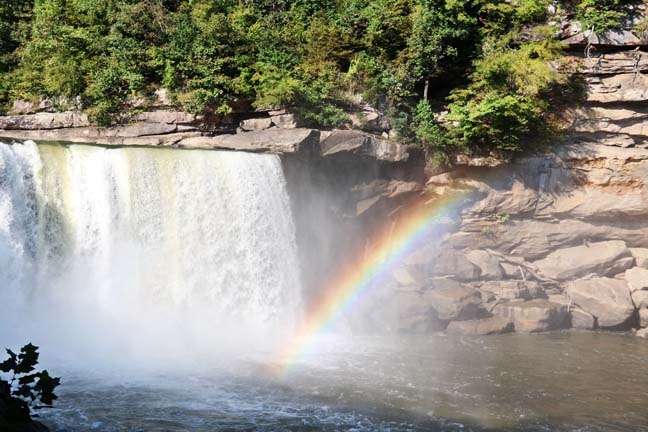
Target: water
556,382
161,285
144,252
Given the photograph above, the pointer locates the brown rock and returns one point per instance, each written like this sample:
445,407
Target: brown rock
534,316
455,304
486,326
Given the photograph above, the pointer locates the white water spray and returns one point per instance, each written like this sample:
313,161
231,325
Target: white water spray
144,251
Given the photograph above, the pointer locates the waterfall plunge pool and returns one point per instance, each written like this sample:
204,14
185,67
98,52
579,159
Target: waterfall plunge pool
580,382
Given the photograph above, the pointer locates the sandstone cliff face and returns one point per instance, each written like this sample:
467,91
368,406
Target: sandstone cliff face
556,240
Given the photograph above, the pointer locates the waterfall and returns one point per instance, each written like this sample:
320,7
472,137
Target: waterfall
140,249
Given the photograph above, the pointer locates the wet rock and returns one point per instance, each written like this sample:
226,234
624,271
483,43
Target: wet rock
602,258
45,121
637,278
362,144
486,326
641,257
456,303
534,316
488,264
606,299
273,140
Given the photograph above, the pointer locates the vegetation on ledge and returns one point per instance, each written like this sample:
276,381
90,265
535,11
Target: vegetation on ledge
487,62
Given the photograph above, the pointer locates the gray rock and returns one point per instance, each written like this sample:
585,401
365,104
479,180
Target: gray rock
606,299
456,304
581,320
164,116
68,119
512,289
643,317
454,264
255,124
284,120
643,333
534,316
362,144
641,257
637,278
415,313
616,37
640,299
486,326
488,264
600,258
273,140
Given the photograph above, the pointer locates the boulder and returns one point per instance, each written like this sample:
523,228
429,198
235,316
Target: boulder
273,140
455,303
486,326
283,120
456,265
415,313
534,316
255,124
581,320
487,264
69,119
641,257
606,299
362,144
602,258
513,289
643,333
640,299
637,278
643,317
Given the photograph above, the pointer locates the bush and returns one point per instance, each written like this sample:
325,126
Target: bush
24,389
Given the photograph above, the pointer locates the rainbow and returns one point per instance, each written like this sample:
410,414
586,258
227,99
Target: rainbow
415,226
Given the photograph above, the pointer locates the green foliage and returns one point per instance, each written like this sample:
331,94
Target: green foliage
476,58
602,15
24,388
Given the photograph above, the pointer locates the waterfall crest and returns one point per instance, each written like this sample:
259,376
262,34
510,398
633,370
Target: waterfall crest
137,244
